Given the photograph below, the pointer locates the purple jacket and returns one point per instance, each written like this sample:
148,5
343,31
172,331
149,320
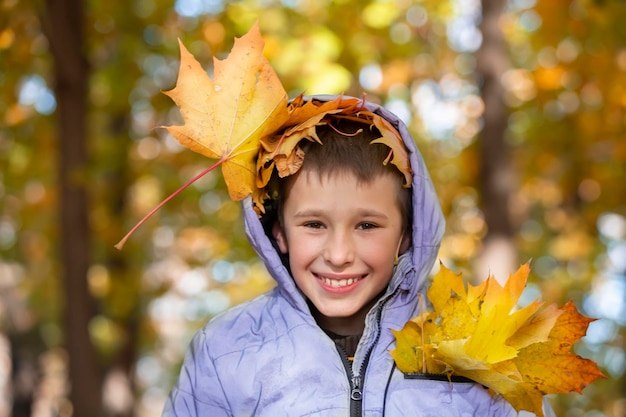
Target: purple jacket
268,357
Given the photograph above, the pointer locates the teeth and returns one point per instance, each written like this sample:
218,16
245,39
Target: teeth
337,283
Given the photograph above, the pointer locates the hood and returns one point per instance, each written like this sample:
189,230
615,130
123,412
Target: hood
427,228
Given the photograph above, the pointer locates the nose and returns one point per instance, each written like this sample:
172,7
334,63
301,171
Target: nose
339,249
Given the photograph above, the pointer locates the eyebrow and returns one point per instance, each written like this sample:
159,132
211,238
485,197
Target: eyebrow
360,212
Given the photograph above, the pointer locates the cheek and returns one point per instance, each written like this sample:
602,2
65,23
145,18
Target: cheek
378,254
304,252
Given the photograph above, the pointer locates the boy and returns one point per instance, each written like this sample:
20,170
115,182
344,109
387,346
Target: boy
350,248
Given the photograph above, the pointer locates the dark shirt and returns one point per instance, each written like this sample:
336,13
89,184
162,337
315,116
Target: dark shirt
347,343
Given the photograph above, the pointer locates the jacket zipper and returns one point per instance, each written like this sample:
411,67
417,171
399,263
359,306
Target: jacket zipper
356,388
354,381
356,395
356,392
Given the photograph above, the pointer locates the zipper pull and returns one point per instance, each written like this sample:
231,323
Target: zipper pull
356,394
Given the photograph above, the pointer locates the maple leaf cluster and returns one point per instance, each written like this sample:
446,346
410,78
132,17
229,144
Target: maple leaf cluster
281,150
243,119
478,333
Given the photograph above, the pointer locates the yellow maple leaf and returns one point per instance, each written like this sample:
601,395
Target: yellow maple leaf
225,117
409,348
478,333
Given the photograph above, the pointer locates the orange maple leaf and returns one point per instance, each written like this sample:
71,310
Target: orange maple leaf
479,333
226,117
281,150
398,154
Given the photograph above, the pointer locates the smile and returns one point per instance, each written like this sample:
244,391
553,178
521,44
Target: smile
339,283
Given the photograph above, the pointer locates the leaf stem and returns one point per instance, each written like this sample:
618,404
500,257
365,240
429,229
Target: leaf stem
121,243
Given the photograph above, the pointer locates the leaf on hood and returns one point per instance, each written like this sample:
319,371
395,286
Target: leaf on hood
398,154
479,333
282,149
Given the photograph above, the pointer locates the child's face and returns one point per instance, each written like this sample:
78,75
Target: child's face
342,238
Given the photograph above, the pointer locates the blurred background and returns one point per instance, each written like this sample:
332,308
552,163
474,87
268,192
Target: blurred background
518,106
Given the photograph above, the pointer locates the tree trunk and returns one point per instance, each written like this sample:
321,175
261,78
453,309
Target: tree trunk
63,24
496,176
5,376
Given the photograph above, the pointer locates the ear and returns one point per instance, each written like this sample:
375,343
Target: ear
281,239
405,241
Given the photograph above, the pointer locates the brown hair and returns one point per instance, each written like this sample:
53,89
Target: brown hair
346,148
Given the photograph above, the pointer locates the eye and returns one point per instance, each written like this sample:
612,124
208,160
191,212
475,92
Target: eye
313,225
367,226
